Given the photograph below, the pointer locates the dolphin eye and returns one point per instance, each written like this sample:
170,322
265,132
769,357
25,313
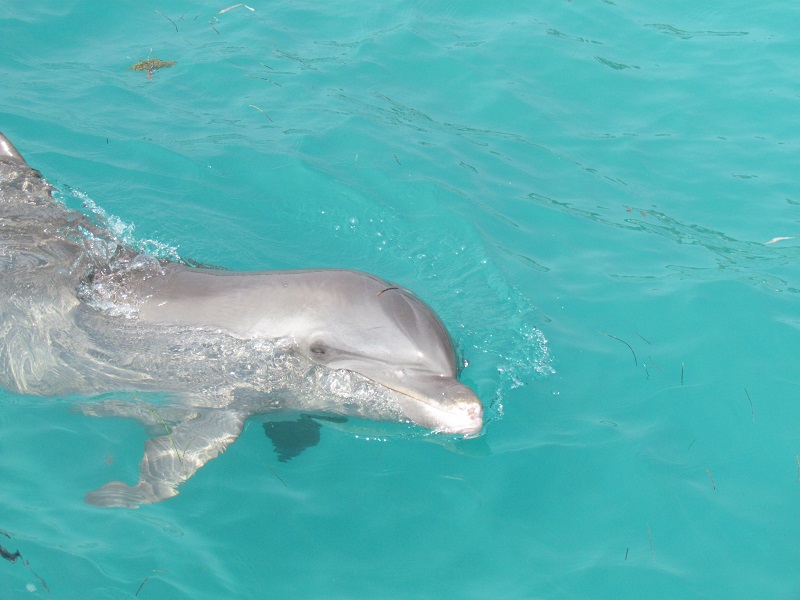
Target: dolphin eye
318,349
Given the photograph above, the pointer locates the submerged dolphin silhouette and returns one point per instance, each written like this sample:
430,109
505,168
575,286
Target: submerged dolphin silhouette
83,313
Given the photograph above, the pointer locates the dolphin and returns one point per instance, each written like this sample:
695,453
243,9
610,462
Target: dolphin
193,352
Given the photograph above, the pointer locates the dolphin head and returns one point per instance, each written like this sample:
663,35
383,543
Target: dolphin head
387,334
338,319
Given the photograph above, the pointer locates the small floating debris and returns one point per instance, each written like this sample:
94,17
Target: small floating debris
152,64
261,111
613,337
779,239
224,10
711,477
168,19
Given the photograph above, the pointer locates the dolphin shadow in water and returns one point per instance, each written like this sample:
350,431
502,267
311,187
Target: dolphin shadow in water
83,313
291,438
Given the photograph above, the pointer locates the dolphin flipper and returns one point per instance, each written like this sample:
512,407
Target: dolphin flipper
154,417
171,459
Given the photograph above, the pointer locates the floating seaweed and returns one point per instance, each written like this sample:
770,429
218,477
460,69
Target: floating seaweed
12,558
152,64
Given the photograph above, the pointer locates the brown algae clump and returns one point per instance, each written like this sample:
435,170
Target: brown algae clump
152,64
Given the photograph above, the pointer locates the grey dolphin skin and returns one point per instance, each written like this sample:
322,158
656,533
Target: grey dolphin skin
194,352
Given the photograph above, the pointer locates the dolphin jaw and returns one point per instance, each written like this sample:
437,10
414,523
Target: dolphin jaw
466,419
434,400
454,410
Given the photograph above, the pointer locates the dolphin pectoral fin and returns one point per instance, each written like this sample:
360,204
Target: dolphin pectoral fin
171,459
154,417
121,495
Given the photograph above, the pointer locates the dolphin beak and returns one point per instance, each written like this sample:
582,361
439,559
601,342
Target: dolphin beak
437,402
465,418
443,405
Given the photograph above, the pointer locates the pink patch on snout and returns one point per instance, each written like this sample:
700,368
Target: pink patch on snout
467,419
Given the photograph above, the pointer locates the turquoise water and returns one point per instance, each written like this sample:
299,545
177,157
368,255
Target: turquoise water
584,191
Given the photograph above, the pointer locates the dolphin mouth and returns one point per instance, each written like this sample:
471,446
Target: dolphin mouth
438,402
449,406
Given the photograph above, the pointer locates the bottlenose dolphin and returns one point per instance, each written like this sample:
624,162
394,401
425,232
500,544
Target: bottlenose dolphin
83,313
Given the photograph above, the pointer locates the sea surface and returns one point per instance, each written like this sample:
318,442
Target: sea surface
601,200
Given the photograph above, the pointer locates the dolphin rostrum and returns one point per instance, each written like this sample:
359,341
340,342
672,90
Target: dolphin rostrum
196,351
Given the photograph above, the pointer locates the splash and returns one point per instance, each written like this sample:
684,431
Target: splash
124,232
118,254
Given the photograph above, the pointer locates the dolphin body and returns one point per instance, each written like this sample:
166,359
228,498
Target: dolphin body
83,313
